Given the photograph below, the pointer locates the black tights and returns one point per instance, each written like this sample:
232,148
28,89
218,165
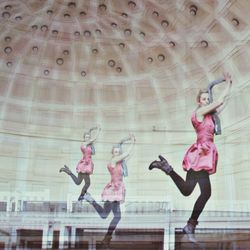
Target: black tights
187,187
104,211
78,180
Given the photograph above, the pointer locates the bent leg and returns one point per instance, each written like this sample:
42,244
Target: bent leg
103,211
86,178
186,187
77,180
117,217
205,188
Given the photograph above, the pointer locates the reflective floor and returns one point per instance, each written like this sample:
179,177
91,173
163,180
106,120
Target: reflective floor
214,239
147,230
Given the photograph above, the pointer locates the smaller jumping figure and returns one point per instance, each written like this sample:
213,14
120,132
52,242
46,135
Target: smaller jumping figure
85,166
114,192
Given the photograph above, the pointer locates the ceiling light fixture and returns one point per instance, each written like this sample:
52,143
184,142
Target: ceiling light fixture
7,39
193,10
111,63
131,4
204,43
235,22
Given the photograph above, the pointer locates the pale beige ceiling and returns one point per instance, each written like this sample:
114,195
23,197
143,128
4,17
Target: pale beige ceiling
115,62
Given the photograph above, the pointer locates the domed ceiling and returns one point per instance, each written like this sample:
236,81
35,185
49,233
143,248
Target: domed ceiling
123,64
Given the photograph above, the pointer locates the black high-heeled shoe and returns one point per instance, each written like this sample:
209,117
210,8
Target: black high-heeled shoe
65,169
162,165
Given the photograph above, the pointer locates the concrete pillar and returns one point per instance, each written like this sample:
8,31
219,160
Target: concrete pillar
92,243
45,237
61,237
73,237
64,237
13,238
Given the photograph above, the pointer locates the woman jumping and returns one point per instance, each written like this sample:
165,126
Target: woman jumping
85,166
201,158
114,192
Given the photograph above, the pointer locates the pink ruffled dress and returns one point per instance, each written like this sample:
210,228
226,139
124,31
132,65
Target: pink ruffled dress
115,189
202,155
85,165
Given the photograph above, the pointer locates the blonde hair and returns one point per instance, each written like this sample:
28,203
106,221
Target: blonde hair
201,91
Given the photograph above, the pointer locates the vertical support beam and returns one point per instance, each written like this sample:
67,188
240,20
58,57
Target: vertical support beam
45,237
73,237
13,238
50,236
61,237
92,243
166,239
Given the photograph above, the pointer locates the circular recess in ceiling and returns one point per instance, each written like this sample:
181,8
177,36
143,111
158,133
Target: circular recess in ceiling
102,7
114,25
111,63
150,59
204,43
82,14
34,48
235,22
124,15
94,51
44,28
55,32
77,33
155,13
18,18
172,44
71,4
7,50
87,33
49,12
164,23
66,15
132,4
7,39
119,69
46,72
5,14
59,61
142,34
98,32
83,73
7,7
193,10
9,64
66,52
161,57
34,27
127,32
122,45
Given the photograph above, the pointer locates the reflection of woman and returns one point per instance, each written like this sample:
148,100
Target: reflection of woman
201,158
85,166
114,192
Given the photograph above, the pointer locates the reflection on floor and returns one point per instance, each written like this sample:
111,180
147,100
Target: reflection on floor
214,239
138,229
122,240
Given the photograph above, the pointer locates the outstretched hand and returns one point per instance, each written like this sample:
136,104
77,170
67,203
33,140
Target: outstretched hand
132,137
227,77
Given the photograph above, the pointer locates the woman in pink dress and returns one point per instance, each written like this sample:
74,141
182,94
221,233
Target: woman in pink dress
114,192
85,166
201,158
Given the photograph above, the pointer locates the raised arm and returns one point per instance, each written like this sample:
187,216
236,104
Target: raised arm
127,153
93,138
229,87
212,107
